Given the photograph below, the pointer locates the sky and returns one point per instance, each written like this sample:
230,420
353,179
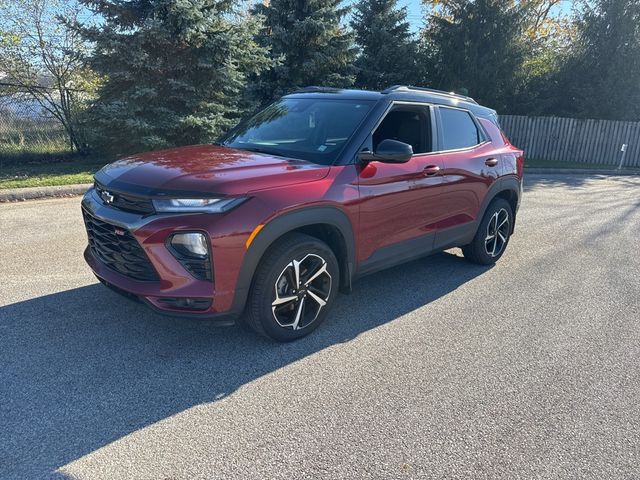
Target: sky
415,12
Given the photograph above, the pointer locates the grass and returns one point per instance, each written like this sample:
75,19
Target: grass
39,174
34,152
31,138
535,163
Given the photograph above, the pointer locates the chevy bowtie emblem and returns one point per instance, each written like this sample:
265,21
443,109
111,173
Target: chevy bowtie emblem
106,196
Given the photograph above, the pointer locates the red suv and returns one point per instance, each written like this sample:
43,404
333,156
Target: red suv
291,206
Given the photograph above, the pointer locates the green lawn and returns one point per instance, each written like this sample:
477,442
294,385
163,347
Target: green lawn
79,170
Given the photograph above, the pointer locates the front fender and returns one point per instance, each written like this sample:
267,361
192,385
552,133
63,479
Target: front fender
283,224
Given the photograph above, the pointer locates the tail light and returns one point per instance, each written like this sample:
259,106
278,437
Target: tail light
520,164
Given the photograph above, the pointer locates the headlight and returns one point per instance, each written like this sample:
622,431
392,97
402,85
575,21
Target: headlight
188,205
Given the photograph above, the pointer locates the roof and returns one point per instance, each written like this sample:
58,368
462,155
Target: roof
401,93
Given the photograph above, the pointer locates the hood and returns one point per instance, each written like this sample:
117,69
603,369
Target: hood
207,169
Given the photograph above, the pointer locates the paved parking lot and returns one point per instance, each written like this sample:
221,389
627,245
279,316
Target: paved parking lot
435,369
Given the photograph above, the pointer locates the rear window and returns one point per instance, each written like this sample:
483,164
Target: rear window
458,129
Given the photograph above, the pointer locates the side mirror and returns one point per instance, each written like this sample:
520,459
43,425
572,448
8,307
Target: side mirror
388,151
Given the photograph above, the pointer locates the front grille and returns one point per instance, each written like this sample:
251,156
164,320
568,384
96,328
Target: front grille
118,249
124,201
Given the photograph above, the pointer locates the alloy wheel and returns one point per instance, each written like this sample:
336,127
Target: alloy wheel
301,290
497,233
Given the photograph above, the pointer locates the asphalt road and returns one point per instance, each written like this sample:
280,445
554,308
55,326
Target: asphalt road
435,369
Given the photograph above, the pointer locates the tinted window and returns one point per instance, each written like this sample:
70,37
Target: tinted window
458,129
313,129
406,124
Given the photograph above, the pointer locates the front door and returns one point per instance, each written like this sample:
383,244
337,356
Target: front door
397,200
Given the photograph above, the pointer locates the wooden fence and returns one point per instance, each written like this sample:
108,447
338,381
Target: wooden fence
574,140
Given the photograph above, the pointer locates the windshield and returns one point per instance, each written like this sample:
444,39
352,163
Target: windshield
310,129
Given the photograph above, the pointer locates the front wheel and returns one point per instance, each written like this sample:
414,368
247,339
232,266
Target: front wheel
294,288
493,234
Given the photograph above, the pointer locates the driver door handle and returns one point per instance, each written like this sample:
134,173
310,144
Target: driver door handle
491,162
431,170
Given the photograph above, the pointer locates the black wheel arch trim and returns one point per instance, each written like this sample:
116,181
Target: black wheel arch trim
283,224
510,183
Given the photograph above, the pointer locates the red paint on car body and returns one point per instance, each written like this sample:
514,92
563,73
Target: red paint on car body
386,204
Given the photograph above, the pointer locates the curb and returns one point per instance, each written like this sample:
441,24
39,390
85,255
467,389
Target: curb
33,193
580,171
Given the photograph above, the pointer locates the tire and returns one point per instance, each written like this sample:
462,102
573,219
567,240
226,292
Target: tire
274,302
488,245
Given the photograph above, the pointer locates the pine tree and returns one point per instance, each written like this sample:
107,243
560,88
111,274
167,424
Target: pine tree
174,70
476,46
387,49
601,77
309,44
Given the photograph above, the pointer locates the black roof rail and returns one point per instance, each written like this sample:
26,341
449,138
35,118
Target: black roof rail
314,88
428,90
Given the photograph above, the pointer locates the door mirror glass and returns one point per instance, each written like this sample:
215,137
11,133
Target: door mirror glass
389,151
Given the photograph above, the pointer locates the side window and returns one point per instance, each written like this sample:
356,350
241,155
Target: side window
458,129
406,124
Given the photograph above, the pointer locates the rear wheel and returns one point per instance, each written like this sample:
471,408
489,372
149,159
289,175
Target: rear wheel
493,234
294,288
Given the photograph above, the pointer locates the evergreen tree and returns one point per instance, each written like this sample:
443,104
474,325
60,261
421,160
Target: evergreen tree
174,70
601,76
387,49
308,43
476,46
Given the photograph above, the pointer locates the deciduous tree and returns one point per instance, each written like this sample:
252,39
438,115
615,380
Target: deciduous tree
42,59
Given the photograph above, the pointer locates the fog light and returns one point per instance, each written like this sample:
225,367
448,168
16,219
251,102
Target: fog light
193,244
191,249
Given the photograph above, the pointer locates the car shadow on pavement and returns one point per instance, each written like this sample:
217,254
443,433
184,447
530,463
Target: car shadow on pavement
85,367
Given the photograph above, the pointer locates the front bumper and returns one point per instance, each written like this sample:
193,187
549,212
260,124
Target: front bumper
175,282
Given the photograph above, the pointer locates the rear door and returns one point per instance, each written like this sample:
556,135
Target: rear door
470,165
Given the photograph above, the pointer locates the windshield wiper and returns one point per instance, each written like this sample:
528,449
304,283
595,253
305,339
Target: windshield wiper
260,150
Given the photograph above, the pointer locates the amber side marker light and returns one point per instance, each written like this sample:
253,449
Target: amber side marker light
253,234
